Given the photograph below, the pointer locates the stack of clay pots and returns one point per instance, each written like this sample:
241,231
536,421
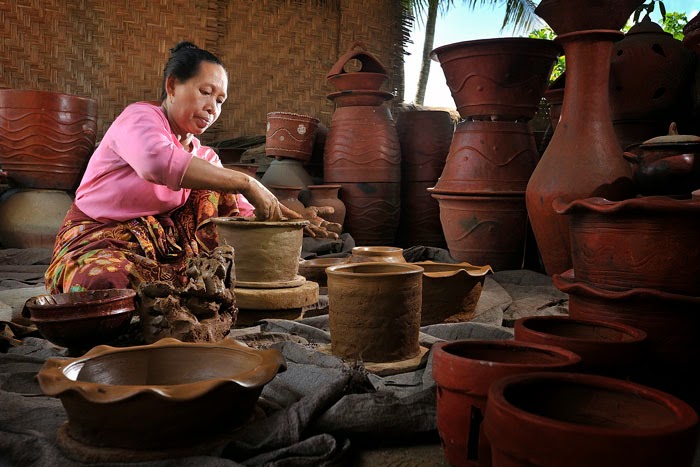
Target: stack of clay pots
497,85
362,152
45,143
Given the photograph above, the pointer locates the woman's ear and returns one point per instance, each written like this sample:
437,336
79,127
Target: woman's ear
170,82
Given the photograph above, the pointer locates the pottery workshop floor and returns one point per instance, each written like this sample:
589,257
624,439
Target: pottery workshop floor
319,412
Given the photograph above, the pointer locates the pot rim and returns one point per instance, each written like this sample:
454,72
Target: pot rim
636,335
292,116
477,43
599,205
246,223
54,381
686,417
568,357
88,100
47,311
399,269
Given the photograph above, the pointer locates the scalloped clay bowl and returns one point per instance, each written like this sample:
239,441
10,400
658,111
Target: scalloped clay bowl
164,395
81,320
450,291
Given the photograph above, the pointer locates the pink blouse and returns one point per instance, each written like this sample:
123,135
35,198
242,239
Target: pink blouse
138,167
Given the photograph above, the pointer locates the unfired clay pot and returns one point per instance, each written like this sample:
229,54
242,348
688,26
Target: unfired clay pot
374,311
558,419
380,254
314,269
264,251
450,291
290,135
605,348
31,218
160,396
463,372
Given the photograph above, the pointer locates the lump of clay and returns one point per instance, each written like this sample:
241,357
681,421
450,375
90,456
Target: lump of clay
204,310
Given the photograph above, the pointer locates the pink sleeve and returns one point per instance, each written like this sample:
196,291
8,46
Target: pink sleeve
142,138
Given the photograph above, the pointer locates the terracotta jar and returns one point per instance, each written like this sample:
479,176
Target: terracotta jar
583,157
374,311
420,217
648,242
47,137
425,137
489,158
502,77
288,196
32,218
450,291
378,254
327,195
557,419
605,348
463,372
290,135
372,211
484,229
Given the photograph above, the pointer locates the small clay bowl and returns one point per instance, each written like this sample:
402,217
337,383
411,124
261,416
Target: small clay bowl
170,394
81,320
315,269
379,254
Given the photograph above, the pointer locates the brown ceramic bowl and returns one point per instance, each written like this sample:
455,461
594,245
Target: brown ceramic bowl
377,254
81,320
170,394
315,269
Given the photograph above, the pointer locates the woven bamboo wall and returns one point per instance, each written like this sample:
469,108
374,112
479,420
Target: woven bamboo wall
277,51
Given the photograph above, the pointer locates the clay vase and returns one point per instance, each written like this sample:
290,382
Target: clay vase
450,291
288,196
583,158
290,135
378,254
372,212
32,218
374,311
265,251
502,77
556,419
605,348
646,242
47,138
463,372
485,229
327,195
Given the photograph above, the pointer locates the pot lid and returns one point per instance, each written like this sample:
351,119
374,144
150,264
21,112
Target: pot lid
672,138
646,26
358,51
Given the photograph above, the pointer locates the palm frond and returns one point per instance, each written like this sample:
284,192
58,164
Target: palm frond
519,13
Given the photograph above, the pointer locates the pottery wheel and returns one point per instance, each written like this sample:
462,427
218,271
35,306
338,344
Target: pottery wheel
296,282
277,298
388,368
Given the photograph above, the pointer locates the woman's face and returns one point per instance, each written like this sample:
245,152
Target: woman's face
195,104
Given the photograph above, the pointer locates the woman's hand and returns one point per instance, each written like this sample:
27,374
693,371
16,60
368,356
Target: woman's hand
267,206
319,227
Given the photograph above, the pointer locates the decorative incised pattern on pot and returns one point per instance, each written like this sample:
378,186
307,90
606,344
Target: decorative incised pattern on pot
372,211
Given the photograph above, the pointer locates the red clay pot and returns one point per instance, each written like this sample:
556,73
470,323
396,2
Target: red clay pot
357,53
489,158
502,77
359,98
648,242
420,217
425,137
583,158
565,16
355,81
372,211
670,321
484,229
463,372
290,135
47,138
605,348
327,195
566,419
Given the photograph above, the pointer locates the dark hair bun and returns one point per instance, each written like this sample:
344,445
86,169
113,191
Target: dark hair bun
183,45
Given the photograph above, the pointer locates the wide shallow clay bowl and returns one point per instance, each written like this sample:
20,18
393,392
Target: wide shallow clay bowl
450,291
163,395
605,347
81,320
378,254
566,419
314,269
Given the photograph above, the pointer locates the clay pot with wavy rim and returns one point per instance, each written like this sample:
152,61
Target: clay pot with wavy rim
374,311
557,419
647,242
290,135
450,291
47,137
376,254
503,77
265,251
463,372
565,16
605,348
167,395
81,320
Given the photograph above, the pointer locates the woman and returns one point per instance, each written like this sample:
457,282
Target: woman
150,184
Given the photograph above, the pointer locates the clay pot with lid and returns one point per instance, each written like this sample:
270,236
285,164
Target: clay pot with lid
556,419
290,135
666,165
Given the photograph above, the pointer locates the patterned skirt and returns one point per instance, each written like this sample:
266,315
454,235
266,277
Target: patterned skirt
91,255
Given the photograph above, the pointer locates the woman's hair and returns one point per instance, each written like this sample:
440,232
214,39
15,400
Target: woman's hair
184,62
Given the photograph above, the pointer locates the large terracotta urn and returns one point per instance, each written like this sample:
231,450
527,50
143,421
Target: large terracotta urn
568,419
584,157
46,138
